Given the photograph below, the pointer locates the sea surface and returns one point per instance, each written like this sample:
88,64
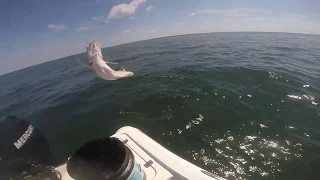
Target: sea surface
241,105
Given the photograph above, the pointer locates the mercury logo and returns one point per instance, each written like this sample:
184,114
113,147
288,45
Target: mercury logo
23,139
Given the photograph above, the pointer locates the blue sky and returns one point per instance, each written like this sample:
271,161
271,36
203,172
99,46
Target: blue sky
36,31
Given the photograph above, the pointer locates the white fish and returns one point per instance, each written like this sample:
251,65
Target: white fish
99,66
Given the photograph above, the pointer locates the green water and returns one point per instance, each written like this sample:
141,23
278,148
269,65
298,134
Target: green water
241,105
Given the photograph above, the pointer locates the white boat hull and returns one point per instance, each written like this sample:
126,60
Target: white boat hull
157,162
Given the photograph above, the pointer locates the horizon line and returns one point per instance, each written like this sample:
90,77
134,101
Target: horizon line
188,34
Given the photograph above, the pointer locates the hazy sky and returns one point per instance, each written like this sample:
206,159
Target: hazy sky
35,31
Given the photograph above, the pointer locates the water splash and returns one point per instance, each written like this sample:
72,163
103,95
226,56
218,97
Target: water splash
294,96
197,121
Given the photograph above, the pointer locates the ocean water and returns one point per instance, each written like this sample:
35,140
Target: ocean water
241,105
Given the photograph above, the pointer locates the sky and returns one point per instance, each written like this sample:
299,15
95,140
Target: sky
37,31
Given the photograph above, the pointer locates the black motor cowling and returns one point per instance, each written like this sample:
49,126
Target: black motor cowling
104,159
21,147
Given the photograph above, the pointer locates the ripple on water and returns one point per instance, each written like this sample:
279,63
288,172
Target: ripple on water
248,156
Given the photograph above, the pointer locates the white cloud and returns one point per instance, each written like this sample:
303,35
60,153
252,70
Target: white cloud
179,24
123,10
192,14
84,28
148,9
99,18
235,12
178,27
57,27
131,17
153,30
282,23
141,30
126,31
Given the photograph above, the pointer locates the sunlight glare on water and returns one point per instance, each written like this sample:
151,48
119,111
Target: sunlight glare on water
255,155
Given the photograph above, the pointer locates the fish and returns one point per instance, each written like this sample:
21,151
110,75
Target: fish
99,66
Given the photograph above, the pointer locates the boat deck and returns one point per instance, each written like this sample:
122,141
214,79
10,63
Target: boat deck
157,162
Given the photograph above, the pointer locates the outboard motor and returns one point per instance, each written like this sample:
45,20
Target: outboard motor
24,151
